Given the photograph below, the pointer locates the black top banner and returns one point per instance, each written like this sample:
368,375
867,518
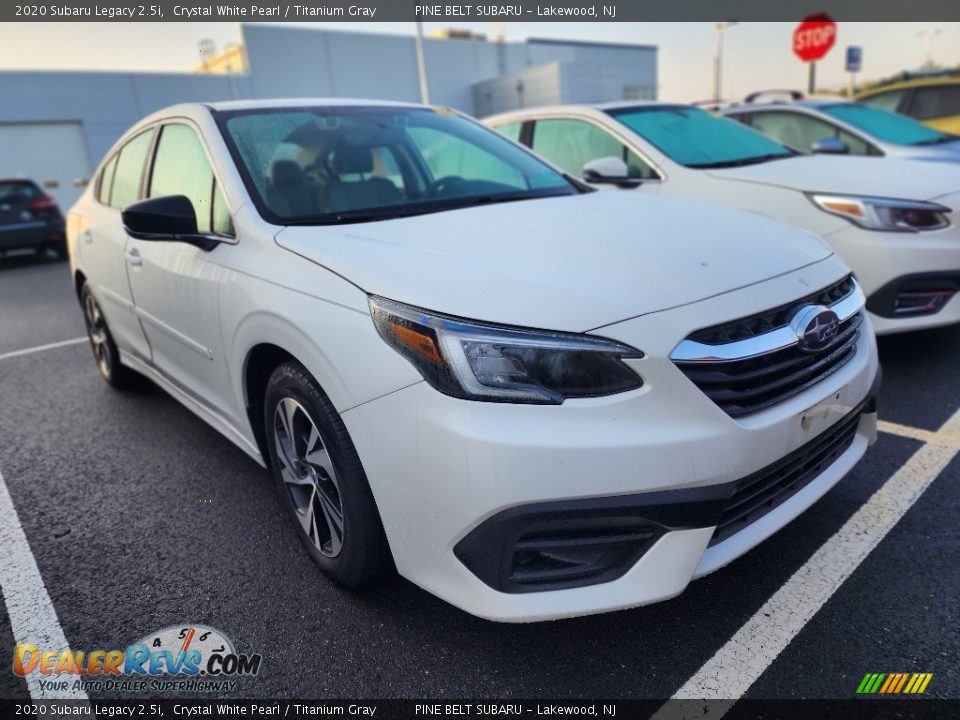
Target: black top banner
451,12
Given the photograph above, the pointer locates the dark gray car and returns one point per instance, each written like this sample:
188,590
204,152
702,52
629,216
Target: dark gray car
29,218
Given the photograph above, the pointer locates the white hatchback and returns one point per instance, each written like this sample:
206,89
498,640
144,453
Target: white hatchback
894,221
534,399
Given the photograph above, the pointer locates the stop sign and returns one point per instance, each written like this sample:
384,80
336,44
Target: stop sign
814,37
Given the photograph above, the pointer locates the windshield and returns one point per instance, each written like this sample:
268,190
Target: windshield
699,139
887,126
319,165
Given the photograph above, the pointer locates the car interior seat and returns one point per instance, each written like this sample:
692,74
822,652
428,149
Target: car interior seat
366,191
288,193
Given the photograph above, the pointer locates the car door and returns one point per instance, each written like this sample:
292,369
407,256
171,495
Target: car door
102,243
570,143
176,285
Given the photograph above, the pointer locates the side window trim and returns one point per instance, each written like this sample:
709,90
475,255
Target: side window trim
905,105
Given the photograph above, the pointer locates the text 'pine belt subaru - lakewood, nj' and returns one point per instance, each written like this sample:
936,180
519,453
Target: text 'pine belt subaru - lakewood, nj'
538,401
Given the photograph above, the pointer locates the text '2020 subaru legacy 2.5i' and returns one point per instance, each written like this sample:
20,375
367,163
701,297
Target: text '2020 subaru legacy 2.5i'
537,400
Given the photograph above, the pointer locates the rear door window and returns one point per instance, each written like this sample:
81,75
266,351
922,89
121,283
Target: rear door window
129,172
106,181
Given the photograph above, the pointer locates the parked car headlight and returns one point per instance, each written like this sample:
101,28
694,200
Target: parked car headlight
501,364
885,214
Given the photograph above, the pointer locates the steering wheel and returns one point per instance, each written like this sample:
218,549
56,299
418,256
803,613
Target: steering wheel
441,184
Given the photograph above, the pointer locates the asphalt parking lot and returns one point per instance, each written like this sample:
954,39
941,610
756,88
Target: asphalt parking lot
139,516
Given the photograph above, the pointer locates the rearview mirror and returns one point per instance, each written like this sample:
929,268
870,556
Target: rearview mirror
609,171
829,146
170,218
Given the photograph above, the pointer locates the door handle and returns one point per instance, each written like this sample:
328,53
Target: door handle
133,257
87,237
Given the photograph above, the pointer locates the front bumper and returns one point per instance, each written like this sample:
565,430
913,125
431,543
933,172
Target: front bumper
896,269
441,468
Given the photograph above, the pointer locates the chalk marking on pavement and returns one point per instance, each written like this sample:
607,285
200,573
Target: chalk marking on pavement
41,348
32,615
746,656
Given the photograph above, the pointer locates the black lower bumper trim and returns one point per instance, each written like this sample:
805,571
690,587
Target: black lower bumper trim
915,295
575,543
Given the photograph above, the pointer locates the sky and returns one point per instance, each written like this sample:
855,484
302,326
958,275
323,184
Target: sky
757,55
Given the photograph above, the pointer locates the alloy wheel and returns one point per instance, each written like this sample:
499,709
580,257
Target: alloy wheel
97,332
309,476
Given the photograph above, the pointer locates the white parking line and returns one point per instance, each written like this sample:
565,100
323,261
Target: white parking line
41,348
746,655
32,616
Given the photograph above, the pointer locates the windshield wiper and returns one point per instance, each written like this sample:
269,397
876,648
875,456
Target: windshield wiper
375,214
755,160
937,140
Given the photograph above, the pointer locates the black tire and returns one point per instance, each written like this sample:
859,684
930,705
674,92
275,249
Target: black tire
103,346
318,487
60,250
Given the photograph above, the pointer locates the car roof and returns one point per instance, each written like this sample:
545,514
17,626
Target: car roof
228,105
811,103
923,81
599,107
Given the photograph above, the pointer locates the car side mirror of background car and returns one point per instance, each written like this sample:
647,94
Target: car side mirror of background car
609,171
829,146
168,218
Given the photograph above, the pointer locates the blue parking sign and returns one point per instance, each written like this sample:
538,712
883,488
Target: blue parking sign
854,58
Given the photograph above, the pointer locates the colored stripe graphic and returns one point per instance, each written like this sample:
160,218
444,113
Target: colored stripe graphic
894,683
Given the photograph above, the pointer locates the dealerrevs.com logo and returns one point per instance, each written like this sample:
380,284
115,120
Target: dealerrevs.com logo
179,658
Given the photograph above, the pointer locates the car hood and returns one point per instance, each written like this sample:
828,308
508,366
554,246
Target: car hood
569,263
881,177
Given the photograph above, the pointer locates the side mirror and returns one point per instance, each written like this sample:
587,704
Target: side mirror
170,218
829,146
609,171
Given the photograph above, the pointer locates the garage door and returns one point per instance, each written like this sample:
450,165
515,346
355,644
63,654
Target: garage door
52,154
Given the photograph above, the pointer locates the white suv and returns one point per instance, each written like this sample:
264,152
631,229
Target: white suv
644,389
894,221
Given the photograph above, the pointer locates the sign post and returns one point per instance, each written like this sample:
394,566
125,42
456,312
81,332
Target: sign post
854,64
812,40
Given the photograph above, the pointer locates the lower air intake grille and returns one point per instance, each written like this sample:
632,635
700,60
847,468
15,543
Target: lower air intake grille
756,495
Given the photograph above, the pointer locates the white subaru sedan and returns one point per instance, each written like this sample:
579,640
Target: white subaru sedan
894,221
534,400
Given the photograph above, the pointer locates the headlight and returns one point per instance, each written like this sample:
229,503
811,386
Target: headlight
884,213
485,362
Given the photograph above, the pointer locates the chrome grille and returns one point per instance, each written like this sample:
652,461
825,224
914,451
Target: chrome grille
761,370
770,320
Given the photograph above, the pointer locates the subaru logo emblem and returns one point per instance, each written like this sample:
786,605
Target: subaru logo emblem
816,326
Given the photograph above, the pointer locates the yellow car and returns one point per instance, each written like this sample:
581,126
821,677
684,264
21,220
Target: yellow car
934,101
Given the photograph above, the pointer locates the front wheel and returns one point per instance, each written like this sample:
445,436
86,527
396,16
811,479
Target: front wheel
104,348
321,480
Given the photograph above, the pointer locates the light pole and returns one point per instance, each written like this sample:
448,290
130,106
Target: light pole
932,35
422,66
721,29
